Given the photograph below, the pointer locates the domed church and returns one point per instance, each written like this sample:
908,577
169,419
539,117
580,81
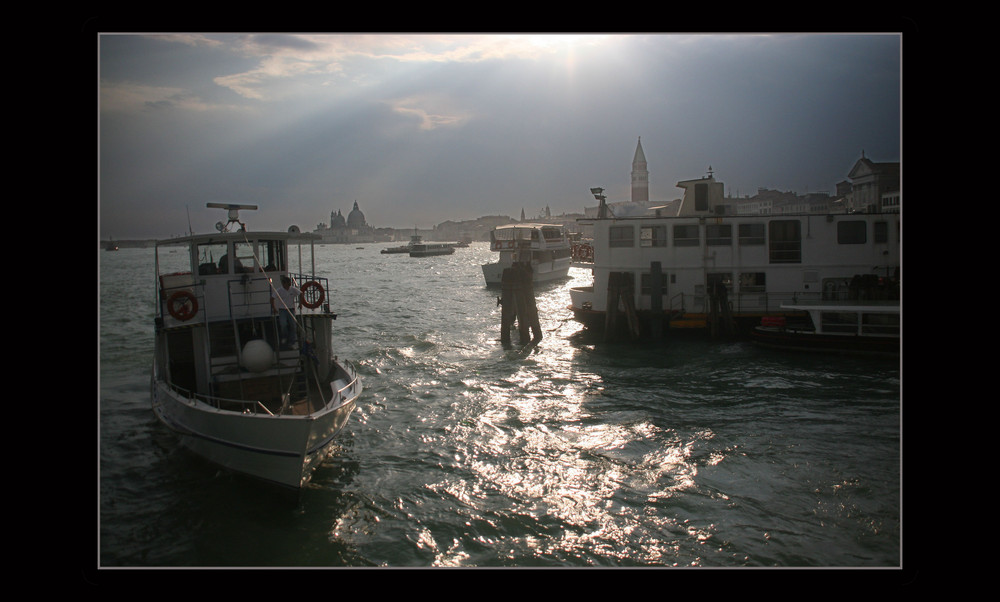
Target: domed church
352,230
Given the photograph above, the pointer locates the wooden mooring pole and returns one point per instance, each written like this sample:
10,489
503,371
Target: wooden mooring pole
620,289
719,316
518,303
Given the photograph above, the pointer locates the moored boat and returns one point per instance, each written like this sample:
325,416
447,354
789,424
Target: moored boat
222,380
871,327
705,265
544,247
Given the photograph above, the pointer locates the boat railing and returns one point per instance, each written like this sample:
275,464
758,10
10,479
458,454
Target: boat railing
741,303
340,391
242,406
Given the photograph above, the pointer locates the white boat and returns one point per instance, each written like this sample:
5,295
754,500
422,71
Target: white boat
710,262
870,327
430,249
544,247
416,239
220,378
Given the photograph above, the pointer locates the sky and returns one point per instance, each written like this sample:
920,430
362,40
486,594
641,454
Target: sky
423,128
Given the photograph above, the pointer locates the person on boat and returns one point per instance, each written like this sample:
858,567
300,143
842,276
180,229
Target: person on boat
287,297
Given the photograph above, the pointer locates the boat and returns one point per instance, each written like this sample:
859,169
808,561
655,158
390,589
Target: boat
544,247
430,249
416,239
868,327
700,265
220,377
111,246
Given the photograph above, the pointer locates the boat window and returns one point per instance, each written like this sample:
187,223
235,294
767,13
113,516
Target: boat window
785,241
881,231
551,234
272,255
686,236
246,257
752,282
751,234
621,236
880,324
851,233
839,321
209,256
653,236
717,235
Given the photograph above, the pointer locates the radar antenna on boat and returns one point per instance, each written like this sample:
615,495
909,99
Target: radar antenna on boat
234,215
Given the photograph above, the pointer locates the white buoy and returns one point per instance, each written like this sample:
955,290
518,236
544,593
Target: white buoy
258,356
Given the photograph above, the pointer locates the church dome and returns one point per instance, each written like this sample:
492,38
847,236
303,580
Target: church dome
356,219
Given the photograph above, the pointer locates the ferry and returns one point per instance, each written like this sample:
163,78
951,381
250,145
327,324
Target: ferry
544,247
415,239
703,265
430,249
856,327
221,378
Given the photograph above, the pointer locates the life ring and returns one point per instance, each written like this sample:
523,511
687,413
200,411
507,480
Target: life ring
306,293
187,308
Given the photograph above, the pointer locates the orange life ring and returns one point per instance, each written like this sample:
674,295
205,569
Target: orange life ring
307,288
187,308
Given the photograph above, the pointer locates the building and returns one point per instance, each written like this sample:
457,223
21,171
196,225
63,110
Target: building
640,176
353,229
874,187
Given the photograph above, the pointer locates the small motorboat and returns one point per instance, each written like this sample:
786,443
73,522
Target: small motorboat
861,327
221,378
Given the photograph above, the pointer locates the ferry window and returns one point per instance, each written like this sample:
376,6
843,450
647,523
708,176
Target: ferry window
245,257
880,324
210,255
785,241
719,235
751,234
653,236
851,233
621,236
881,231
686,236
836,321
752,282
646,284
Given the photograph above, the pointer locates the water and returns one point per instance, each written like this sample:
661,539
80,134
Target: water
685,453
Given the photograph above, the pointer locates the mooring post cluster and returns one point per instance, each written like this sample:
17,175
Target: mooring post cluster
518,303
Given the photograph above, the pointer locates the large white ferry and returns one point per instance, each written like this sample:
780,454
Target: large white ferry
221,378
544,247
685,270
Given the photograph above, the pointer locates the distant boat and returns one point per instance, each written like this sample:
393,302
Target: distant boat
430,249
416,239
111,246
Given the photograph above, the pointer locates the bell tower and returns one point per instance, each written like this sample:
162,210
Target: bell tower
640,177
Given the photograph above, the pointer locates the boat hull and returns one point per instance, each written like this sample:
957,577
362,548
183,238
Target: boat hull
802,340
281,449
545,272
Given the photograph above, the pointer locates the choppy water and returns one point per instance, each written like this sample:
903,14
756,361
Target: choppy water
683,453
